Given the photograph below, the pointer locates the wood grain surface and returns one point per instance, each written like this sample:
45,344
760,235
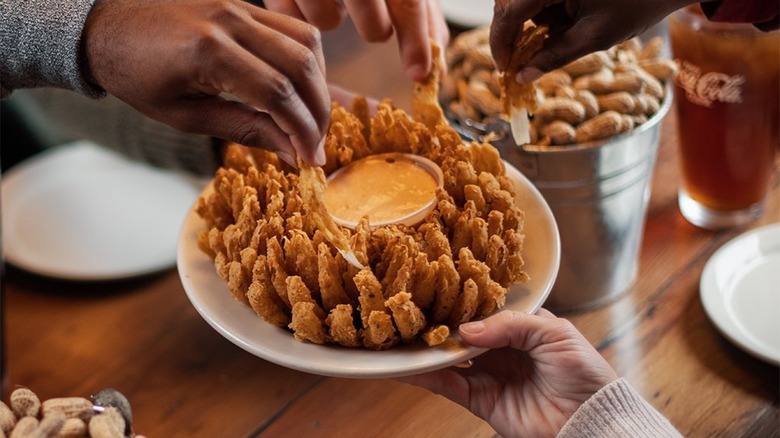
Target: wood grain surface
183,379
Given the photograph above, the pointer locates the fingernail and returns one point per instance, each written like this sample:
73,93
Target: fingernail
287,158
319,154
472,328
528,75
416,72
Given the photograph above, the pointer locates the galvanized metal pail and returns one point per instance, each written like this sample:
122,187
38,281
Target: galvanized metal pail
598,193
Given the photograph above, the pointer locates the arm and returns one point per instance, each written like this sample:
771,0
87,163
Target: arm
175,61
57,116
617,411
540,377
538,372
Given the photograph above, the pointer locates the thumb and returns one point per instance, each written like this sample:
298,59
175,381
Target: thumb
517,330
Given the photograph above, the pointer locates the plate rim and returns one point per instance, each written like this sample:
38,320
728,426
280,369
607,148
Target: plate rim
713,297
437,357
455,12
24,170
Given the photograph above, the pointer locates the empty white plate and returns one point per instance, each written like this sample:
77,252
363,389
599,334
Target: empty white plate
740,291
82,212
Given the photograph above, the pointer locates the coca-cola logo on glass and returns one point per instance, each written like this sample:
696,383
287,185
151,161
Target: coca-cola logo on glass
706,88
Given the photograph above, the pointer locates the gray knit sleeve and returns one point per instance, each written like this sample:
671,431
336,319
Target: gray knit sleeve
617,411
40,45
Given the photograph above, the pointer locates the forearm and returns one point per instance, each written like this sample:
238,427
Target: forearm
40,42
617,411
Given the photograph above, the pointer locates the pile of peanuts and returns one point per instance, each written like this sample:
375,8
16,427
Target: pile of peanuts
66,417
594,97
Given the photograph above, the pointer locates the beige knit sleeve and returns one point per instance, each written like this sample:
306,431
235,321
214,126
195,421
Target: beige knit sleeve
616,411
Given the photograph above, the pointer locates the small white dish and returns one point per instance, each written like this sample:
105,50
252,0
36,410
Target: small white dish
239,324
740,291
81,212
468,13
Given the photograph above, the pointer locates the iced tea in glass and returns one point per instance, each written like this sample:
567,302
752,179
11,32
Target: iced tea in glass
727,94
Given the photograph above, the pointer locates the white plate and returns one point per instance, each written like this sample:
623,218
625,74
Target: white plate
468,13
741,294
238,323
81,212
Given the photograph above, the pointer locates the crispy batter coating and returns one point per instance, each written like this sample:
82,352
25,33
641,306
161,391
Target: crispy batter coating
297,291
346,140
425,98
417,283
263,298
496,258
238,281
436,242
312,185
515,94
371,298
473,193
398,275
330,281
485,158
491,294
276,267
424,281
435,335
306,325
519,100
341,327
514,259
301,257
380,333
408,318
447,290
466,305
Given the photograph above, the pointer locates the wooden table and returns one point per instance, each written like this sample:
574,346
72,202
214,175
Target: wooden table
185,380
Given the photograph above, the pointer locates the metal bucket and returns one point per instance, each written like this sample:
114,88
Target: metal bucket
598,193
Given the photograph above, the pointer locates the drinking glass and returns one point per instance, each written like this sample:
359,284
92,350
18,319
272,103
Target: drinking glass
727,94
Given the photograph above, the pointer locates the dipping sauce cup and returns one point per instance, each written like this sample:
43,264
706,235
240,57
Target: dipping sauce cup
391,188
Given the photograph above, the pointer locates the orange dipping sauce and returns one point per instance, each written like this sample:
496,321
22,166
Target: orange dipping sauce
388,188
